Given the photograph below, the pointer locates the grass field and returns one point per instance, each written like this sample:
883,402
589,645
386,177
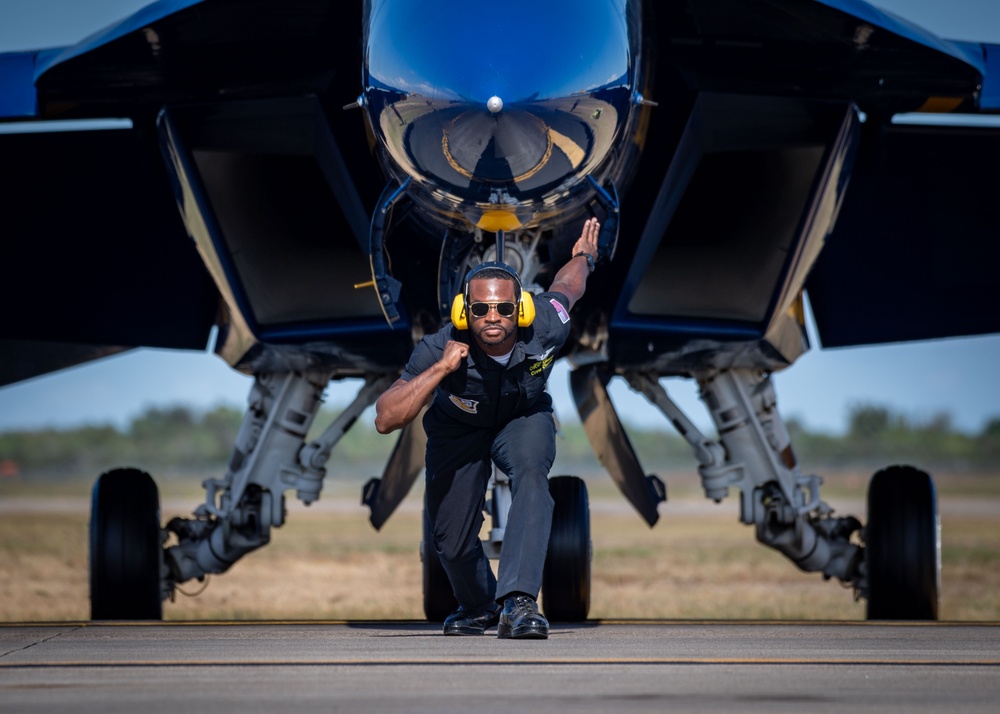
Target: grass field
328,563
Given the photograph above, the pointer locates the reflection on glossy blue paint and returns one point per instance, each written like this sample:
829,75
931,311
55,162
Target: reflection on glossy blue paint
520,50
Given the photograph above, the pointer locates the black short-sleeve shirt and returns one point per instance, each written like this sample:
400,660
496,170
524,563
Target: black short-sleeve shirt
484,393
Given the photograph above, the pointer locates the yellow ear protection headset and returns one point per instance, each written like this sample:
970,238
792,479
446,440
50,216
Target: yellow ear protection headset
525,305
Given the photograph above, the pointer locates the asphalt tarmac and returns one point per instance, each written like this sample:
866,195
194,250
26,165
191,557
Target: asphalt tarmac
621,666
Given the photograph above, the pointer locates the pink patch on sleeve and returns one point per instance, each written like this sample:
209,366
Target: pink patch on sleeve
560,310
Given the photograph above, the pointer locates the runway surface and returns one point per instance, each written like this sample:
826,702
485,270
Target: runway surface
616,666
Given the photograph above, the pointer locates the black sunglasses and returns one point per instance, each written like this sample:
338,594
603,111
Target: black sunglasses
482,309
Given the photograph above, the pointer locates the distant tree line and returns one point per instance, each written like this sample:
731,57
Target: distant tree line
877,433
180,440
174,437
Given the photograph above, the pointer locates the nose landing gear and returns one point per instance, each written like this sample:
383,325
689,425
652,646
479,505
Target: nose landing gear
566,577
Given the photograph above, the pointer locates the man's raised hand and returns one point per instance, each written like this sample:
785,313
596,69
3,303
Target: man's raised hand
454,354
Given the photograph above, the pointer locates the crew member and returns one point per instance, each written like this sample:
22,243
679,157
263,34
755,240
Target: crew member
486,388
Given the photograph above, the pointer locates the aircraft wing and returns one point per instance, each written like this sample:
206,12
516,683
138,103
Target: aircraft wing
912,252
95,256
98,258
915,251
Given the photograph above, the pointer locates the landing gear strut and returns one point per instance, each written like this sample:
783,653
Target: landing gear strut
130,571
894,562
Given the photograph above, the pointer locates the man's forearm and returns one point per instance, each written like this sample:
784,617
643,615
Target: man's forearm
571,280
400,404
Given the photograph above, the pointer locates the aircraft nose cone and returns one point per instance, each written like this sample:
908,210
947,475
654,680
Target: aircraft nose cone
494,104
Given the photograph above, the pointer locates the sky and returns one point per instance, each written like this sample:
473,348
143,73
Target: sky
919,380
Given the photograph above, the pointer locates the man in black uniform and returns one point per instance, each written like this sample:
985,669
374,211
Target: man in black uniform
490,406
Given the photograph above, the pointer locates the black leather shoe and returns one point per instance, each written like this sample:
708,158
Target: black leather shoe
521,620
471,622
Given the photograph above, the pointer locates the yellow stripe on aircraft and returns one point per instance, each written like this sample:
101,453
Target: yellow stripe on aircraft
493,221
940,105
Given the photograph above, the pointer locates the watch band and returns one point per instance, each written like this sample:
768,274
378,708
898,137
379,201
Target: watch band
590,260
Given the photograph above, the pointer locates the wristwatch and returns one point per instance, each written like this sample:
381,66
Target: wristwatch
590,260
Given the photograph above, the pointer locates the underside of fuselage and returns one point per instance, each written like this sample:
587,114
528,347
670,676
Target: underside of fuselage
722,164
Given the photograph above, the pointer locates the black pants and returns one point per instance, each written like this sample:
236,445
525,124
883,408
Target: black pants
459,465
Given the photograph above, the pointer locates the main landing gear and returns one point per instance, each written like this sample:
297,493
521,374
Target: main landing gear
126,554
903,546
893,562
135,564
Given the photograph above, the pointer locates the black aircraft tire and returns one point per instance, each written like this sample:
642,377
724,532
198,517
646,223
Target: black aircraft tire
125,547
566,577
439,599
902,546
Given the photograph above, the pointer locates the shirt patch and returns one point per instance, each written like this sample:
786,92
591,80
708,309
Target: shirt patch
560,310
537,368
469,406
